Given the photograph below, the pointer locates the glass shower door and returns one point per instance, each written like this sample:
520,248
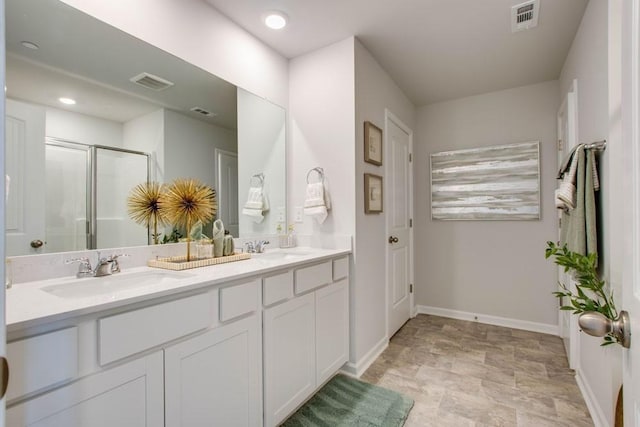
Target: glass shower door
115,174
66,173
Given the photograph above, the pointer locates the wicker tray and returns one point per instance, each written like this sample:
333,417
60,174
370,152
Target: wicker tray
181,263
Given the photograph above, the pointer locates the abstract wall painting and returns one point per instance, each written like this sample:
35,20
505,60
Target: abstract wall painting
489,183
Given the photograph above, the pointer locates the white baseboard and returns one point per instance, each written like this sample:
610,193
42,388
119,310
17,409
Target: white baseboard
358,368
490,320
597,414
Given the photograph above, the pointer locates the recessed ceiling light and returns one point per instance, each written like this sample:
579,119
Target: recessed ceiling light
29,45
67,101
275,20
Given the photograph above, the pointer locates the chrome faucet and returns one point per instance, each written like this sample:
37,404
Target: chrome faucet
256,247
104,266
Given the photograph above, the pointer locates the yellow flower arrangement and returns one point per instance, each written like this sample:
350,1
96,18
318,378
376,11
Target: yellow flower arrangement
145,208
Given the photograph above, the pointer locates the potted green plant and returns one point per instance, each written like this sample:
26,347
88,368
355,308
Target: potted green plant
592,300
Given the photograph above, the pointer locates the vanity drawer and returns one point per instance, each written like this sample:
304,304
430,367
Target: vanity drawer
340,268
277,288
42,361
239,299
122,335
309,278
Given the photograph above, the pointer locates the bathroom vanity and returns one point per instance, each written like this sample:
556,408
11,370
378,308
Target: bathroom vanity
239,344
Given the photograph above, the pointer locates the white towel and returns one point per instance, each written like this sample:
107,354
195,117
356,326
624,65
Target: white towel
318,201
565,194
257,204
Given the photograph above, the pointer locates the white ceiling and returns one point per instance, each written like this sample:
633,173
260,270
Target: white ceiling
433,49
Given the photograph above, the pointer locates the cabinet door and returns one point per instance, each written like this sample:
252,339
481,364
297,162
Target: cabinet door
130,395
332,329
289,356
214,379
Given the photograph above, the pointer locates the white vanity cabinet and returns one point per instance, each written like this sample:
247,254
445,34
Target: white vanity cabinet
244,351
306,337
129,395
215,378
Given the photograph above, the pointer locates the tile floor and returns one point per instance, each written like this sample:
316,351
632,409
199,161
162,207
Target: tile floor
469,374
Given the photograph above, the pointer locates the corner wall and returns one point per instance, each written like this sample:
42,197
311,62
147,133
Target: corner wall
493,269
375,92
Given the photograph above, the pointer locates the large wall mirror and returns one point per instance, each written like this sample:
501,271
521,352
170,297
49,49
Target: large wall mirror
139,113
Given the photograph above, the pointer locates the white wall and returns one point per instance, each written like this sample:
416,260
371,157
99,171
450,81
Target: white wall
322,132
146,133
83,129
375,91
182,135
196,32
491,268
588,62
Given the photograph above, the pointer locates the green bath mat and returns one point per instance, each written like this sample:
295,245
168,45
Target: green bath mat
345,401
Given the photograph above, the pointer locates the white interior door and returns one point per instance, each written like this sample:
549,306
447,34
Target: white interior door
567,139
24,165
629,205
398,190
227,190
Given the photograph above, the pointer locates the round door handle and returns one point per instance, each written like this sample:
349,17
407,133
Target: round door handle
393,239
36,243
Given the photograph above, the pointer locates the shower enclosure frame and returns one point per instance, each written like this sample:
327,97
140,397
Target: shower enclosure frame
91,228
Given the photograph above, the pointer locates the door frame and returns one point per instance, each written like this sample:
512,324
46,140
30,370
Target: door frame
218,152
3,329
390,117
570,107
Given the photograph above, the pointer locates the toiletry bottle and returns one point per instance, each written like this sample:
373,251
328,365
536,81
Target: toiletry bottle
291,237
282,237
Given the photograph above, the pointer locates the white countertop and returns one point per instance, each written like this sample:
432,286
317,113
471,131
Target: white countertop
28,305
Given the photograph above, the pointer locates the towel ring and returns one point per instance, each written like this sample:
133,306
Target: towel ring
259,177
319,171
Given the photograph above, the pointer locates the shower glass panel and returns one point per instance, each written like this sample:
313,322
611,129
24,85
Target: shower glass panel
115,174
66,172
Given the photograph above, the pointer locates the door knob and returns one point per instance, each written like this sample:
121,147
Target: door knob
4,376
393,239
597,325
36,243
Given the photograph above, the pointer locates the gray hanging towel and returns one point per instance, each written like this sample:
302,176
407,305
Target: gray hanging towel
579,230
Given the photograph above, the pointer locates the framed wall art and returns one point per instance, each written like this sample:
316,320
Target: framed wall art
372,144
373,200
490,183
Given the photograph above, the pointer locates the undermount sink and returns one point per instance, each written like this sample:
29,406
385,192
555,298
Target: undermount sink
106,285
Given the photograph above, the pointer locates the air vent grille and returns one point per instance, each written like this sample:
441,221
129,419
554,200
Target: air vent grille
151,81
202,111
525,15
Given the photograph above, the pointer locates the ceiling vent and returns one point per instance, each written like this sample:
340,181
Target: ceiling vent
525,15
151,82
202,111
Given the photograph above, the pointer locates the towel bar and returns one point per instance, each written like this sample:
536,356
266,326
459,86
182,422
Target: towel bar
598,145
260,177
319,171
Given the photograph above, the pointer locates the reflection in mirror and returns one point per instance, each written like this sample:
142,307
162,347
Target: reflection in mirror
261,145
187,120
